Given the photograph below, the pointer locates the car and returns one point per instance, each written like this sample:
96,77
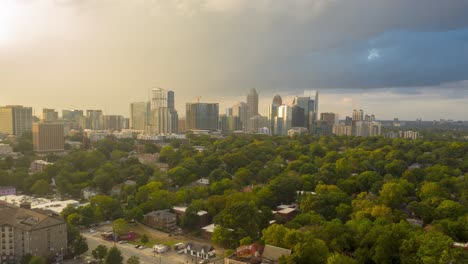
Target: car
122,242
203,261
92,231
137,246
182,251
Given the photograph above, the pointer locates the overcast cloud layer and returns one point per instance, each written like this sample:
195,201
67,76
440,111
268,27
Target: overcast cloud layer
392,57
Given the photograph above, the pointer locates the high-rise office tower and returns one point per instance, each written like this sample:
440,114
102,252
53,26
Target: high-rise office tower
71,115
15,119
297,116
93,120
139,115
329,118
283,120
113,122
49,115
48,137
358,115
252,103
308,102
202,116
170,100
163,117
273,112
241,110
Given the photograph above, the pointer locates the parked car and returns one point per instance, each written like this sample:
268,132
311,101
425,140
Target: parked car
92,231
182,251
137,246
122,242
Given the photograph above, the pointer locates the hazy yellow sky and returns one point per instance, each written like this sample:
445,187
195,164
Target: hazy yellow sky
105,54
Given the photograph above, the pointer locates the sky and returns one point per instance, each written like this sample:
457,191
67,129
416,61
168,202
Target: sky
392,58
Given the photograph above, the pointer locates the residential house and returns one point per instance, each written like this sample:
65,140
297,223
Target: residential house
199,250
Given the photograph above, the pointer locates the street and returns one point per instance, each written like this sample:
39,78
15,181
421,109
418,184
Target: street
146,255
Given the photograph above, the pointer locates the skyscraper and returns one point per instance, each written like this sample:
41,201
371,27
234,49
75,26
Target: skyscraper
139,115
163,117
308,102
113,122
252,103
273,112
48,137
201,116
15,119
241,111
49,115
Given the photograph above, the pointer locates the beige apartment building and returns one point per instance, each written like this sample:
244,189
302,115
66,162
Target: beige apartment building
15,119
48,137
27,231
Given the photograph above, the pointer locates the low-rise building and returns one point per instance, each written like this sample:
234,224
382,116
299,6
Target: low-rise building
39,166
7,190
199,250
161,219
257,254
27,231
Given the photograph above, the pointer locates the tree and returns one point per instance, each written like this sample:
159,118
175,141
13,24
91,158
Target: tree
133,260
114,256
79,245
37,260
40,188
337,258
121,226
99,253
25,258
144,239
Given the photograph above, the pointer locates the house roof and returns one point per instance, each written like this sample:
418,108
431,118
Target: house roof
274,253
199,247
25,219
161,214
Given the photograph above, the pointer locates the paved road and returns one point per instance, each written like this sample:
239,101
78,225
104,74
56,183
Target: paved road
146,255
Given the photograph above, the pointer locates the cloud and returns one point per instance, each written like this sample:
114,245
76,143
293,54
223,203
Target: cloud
222,48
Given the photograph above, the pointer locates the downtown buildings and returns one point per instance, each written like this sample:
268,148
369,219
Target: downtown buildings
48,137
15,120
156,116
302,113
359,125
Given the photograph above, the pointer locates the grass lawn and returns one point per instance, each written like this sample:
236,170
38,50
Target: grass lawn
153,240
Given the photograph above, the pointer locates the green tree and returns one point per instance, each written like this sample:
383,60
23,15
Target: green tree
41,187
338,258
144,239
114,256
99,253
133,260
79,245
121,226
25,258
37,260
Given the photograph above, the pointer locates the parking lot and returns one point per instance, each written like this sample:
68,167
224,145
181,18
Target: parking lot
146,255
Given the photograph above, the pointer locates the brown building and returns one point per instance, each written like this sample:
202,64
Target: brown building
26,231
161,219
48,137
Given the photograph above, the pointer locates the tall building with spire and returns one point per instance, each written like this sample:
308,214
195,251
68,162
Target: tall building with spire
252,103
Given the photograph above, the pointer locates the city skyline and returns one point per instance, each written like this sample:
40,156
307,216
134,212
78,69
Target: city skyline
105,54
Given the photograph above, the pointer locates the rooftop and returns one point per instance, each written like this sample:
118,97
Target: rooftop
25,219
